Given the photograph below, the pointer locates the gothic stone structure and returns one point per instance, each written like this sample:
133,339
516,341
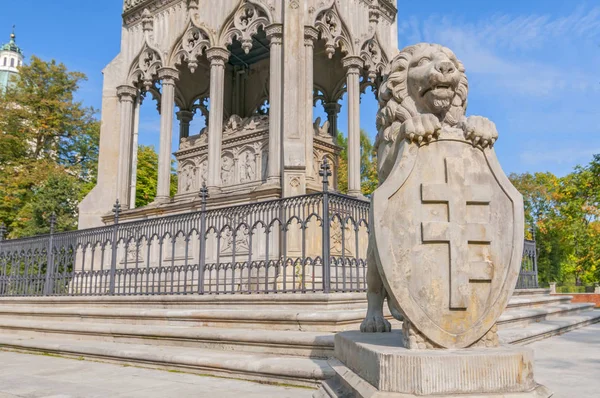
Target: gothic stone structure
254,70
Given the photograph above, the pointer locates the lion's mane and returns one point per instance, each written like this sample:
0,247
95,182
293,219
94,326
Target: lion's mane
395,104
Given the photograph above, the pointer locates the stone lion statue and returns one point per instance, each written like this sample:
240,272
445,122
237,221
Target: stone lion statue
425,92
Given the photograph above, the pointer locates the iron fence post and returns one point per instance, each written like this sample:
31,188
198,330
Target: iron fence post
115,246
202,265
325,173
48,289
2,232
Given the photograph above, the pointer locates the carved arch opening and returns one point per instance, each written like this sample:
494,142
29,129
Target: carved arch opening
334,31
245,22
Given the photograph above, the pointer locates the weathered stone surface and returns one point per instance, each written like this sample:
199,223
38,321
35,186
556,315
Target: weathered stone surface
447,231
378,366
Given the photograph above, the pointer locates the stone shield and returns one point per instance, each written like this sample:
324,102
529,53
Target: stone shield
448,233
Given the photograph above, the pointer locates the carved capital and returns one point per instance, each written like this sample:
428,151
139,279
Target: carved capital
127,93
275,33
168,75
217,56
310,36
185,116
353,64
332,108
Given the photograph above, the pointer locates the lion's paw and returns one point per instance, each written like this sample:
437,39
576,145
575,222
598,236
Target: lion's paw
480,130
421,128
376,324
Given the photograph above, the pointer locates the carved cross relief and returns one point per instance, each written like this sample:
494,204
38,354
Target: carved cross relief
457,232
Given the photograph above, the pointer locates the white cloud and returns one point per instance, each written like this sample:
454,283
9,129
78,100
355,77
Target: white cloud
506,49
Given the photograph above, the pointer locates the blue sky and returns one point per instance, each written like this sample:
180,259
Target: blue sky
533,65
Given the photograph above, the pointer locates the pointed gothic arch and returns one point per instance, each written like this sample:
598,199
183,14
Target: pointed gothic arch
374,57
145,66
333,29
190,46
244,23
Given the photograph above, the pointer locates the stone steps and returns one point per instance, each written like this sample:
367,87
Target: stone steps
285,320
521,317
269,338
531,292
535,301
548,328
331,301
297,371
285,343
304,313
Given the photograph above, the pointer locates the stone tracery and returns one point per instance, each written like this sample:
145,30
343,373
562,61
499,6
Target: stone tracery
223,69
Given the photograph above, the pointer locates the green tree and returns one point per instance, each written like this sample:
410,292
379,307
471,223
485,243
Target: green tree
368,164
48,148
147,176
564,215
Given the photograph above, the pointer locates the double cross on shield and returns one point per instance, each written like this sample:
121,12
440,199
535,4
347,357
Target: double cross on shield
447,228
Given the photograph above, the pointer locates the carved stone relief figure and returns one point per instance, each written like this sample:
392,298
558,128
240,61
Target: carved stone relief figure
321,131
248,171
227,172
203,172
188,178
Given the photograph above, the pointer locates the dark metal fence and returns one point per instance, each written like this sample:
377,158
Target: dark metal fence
528,278
309,243
268,247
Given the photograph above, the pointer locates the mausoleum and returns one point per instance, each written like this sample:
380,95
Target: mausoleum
253,70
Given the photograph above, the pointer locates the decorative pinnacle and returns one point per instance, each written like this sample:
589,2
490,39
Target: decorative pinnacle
325,173
117,211
2,231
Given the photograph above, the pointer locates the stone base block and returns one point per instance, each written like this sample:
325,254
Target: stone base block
378,366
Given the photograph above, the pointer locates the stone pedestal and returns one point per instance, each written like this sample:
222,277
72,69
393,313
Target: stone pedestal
378,366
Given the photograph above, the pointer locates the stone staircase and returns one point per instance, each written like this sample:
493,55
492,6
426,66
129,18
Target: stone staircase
268,338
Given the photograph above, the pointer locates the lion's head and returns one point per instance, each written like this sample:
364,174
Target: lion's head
424,78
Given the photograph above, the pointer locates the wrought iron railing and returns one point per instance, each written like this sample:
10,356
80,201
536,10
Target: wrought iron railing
278,246
528,278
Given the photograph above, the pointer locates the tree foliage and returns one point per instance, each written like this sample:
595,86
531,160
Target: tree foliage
368,164
564,215
147,176
48,148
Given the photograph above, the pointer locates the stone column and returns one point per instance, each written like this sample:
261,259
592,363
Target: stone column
127,96
167,108
185,118
134,151
333,109
352,66
310,36
218,57
275,34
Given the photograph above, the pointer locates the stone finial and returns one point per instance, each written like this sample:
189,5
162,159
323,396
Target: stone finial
147,21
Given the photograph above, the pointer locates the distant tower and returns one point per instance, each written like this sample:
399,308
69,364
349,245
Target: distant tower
11,59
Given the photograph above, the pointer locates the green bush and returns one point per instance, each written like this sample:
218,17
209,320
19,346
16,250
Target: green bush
575,289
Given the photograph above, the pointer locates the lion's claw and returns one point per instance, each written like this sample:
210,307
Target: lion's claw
480,130
421,128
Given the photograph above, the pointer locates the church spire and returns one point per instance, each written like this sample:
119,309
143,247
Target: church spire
12,44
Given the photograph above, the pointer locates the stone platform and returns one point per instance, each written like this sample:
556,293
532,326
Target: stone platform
284,338
378,366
